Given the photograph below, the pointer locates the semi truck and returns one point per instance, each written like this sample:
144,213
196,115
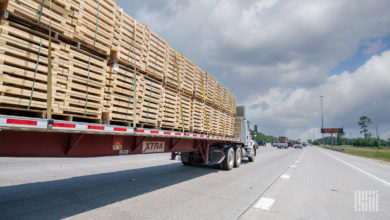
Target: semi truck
22,136
283,138
76,68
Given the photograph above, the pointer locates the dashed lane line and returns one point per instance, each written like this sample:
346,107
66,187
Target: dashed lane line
285,176
264,203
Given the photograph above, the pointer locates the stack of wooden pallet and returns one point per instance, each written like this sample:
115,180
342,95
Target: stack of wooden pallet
129,43
106,67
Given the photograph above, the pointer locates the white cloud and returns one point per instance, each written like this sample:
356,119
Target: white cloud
346,98
276,55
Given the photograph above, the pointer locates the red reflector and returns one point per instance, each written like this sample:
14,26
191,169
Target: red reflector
64,125
201,136
95,127
177,134
154,132
21,122
120,129
195,135
140,131
166,132
187,135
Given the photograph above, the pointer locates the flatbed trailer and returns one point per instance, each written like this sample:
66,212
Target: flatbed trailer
36,137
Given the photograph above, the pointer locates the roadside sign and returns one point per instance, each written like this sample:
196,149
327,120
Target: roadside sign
332,130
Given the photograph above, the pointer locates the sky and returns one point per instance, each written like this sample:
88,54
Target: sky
279,56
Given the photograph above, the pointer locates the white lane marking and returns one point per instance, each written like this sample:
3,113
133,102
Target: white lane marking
293,166
358,169
264,203
297,161
285,176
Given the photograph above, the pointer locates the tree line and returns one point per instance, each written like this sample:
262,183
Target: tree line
366,141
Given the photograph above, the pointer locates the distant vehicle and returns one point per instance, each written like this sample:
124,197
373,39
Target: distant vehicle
282,144
305,144
283,139
275,144
298,144
290,143
261,143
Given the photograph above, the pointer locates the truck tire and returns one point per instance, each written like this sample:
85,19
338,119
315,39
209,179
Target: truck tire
228,162
252,158
237,157
185,158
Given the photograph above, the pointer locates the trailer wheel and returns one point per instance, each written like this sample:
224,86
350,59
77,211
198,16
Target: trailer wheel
185,158
228,162
252,158
237,157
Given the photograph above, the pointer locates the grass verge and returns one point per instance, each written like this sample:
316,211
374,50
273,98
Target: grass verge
382,153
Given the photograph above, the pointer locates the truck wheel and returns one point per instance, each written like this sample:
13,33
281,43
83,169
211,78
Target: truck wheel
237,157
252,158
185,158
228,162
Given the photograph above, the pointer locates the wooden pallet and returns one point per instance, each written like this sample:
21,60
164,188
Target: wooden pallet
151,98
119,94
198,116
209,123
129,47
188,76
229,125
169,109
156,55
30,9
199,81
210,89
172,77
87,18
83,96
186,104
18,57
217,122
231,102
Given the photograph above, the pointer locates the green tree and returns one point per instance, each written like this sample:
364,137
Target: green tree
364,122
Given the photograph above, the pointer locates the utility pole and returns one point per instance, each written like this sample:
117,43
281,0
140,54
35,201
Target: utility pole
313,134
350,138
377,136
322,120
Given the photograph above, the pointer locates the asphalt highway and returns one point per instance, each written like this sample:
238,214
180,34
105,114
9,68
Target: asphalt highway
308,183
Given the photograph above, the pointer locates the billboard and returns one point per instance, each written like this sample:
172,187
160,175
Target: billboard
332,130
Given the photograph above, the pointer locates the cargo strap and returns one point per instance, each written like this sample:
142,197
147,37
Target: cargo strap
178,85
39,54
40,13
134,77
220,106
234,121
204,107
89,57
49,78
151,84
35,73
